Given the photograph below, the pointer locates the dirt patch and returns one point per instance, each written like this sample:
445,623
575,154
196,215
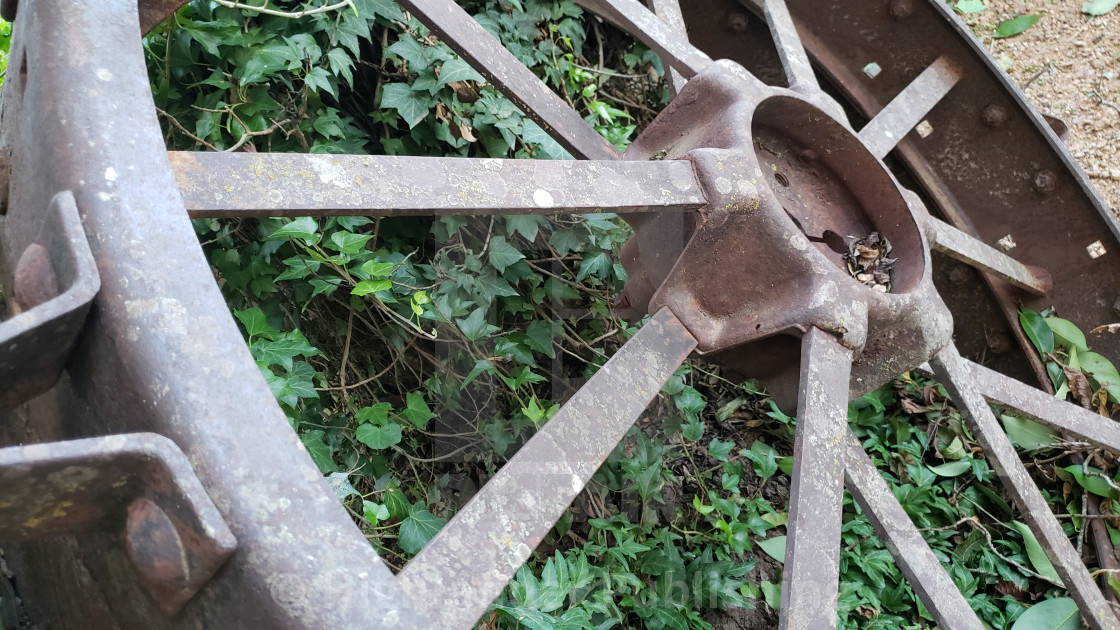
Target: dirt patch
1068,65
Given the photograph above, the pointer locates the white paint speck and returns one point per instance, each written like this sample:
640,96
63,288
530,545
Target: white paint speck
104,75
110,174
723,185
542,198
1096,250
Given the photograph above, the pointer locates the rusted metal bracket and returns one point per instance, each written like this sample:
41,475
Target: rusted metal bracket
54,278
173,533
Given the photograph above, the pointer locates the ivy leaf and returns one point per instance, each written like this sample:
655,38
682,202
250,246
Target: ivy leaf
1014,26
378,269
379,436
374,512
475,326
690,402
538,336
340,483
719,450
283,350
348,242
598,265
304,228
481,366
692,431
417,410
568,240
502,254
377,413
255,323
318,450
527,225
387,9
365,287
419,527
457,70
413,106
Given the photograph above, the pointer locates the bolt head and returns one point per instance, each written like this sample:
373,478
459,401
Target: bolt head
901,9
1045,181
994,115
737,22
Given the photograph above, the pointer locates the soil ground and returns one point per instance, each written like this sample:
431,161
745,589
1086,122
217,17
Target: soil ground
1068,65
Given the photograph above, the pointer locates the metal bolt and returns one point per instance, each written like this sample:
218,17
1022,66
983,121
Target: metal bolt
994,115
154,545
958,275
34,281
901,9
1045,181
737,22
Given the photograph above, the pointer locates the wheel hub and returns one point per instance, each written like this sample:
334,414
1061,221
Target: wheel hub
792,192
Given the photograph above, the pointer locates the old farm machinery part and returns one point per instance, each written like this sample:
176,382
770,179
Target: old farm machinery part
151,480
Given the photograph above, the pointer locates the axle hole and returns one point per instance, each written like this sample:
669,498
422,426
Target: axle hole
782,179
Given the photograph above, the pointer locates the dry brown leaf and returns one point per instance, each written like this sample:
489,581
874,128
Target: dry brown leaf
1079,386
1111,328
466,133
1007,587
911,407
442,113
465,90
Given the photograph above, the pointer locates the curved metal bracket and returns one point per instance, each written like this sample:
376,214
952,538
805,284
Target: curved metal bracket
173,533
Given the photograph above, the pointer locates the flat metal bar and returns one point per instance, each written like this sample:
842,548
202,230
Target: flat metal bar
455,577
795,63
906,110
487,55
976,253
959,378
669,12
928,578
663,39
1045,408
294,184
810,581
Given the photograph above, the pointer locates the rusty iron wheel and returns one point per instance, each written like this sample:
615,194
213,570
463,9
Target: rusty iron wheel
751,155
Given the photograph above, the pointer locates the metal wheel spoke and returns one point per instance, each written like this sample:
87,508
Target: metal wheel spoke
958,377
893,526
669,12
810,581
487,55
972,251
292,184
902,114
795,63
456,576
1044,408
642,23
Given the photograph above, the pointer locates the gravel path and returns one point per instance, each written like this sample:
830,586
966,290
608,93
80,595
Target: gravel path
1068,64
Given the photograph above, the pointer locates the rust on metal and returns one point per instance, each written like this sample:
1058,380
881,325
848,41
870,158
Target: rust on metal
811,573
472,558
906,110
54,280
174,534
948,239
280,184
